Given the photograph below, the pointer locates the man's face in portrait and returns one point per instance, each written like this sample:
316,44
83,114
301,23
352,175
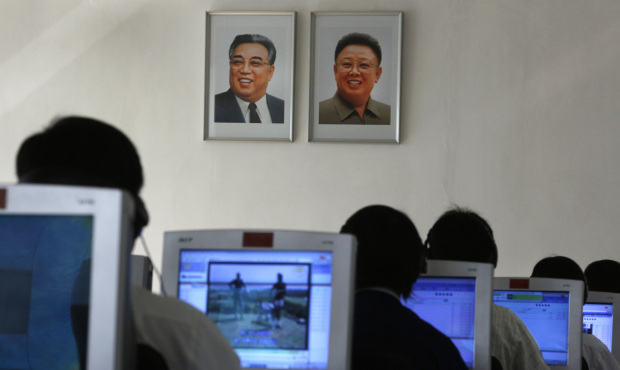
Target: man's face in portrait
356,71
250,71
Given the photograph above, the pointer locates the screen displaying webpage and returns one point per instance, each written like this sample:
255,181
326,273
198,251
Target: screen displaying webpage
449,304
598,320
273,306
546,315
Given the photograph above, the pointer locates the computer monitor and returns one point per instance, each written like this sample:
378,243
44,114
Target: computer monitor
455,297
48,235
551,310
601,318
284,299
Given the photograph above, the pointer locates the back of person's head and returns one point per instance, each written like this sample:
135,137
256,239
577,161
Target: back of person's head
603,276
461,235
86,152
389,249
560,267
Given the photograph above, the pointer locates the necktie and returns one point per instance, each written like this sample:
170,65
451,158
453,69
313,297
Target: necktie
254,118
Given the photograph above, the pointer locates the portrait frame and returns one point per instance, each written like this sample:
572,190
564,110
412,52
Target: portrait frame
221,29
327,28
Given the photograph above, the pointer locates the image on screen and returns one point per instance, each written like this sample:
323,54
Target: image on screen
33,250
273,306
449,304
598,320
546,315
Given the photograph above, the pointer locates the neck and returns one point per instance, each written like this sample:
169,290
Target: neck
358,104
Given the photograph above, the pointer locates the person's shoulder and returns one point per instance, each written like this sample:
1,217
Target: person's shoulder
146,303
224,95
381,108
502,316
275,99
429,331
328,112
591,341
326,103
381,105
593,344
596,353
445,352
183,335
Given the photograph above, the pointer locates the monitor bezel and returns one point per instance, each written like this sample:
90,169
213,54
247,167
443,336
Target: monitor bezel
110,329
614,300
483,273
342,246
575,309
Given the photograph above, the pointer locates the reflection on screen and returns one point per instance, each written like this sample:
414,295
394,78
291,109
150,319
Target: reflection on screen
598,320
449,304
546,315
273,306
40,259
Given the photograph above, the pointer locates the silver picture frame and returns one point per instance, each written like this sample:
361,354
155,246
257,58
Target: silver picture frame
332,115
229,90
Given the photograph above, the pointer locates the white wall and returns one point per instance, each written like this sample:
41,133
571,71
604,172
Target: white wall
508,107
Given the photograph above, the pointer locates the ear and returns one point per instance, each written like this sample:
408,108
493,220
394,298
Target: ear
379,71
335,71
271,69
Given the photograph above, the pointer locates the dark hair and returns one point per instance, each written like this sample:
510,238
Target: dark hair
389,249
254,39
83,151
603,276
356,38
560,267
461,235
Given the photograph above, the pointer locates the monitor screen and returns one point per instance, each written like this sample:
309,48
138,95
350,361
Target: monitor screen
551,310
50,236
455,297
279,305
598,319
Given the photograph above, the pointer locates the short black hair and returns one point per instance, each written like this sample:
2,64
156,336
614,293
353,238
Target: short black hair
254,39
81,145
603,276
357,38
461,234
83,151
389,249
560,267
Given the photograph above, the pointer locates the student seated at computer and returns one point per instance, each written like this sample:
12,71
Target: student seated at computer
463,235
387,335
603,276
88,152
595,354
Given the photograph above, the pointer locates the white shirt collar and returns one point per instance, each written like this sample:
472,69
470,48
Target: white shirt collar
261,109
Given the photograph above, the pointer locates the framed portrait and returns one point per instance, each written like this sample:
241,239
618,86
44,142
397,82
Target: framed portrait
249,70
355,77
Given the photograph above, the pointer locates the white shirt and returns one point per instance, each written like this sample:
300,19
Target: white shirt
184,336
597,354
512,343
261,108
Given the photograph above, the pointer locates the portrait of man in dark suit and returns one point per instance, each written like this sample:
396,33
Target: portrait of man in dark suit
251,67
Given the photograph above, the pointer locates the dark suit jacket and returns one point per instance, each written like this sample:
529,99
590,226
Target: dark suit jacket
387,335
227,109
